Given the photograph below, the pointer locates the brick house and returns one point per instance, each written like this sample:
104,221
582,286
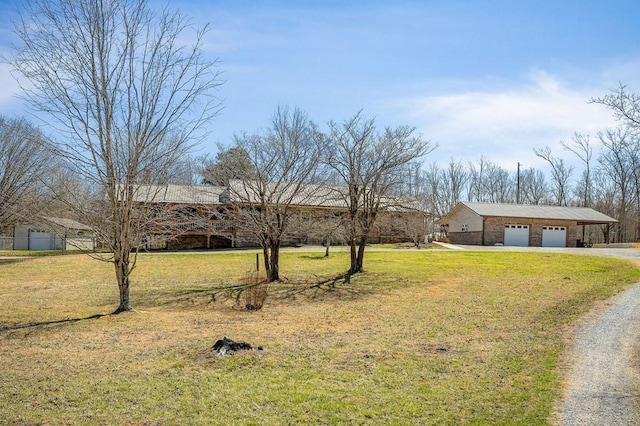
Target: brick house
194,217
521,225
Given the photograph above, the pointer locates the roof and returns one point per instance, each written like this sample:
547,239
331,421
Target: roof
583,215
303,195
67,223
179,194
307,194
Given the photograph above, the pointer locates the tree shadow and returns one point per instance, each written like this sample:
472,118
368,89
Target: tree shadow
42,324
334,285
6,261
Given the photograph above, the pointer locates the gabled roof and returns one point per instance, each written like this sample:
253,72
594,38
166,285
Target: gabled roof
583,215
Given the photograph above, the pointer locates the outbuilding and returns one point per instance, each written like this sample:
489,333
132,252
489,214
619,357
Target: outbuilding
520,224
54,233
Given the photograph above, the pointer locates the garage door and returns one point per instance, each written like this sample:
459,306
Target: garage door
554,236
39,240
516,235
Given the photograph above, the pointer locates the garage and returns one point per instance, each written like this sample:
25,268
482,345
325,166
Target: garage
516,235
522,225
39,240
554,236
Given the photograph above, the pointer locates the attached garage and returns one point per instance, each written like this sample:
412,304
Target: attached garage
522,225
554,236
516,235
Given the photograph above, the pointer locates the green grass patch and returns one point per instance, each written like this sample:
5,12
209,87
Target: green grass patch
420,338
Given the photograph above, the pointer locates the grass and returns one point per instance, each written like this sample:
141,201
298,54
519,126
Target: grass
423,337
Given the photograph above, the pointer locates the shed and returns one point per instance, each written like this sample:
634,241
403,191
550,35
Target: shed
519,224
54,233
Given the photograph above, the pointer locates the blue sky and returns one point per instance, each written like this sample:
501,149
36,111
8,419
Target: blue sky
479,78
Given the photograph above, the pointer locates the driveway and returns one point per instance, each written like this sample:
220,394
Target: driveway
602,378
624,251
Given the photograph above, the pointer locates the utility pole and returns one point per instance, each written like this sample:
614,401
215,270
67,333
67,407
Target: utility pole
518,186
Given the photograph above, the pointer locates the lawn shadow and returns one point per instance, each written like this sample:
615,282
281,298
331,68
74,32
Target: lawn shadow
33,325
337,285
6,261
314,256
190,297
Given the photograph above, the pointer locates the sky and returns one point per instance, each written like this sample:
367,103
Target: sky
492,78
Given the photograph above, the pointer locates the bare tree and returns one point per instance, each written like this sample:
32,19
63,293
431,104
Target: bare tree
560,174
499,185
604,196
283,175
430,194
533,187
24,163
488,182
126,97
475,191
407,223
454,179
626,108
634,157
617,163
325,226
582,148
370,164
624,104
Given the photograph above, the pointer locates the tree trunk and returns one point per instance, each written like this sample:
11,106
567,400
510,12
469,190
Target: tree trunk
271,261
121,262
274,273
357,255
326,251
354,257
361,248
267,263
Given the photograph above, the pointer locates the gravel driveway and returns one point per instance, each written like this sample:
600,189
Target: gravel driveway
603,379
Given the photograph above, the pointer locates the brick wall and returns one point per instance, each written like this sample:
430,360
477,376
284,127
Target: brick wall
494,229
470,238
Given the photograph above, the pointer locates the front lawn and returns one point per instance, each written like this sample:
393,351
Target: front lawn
423,337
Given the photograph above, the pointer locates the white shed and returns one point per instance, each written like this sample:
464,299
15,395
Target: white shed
54,233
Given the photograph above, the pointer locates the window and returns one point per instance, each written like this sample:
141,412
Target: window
465,227
516,226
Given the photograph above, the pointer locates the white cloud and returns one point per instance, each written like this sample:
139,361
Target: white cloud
505,125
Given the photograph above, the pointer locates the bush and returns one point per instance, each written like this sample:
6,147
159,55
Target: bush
255,292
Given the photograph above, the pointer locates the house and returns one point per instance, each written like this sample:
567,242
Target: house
54,233
519,225
195,216
186,216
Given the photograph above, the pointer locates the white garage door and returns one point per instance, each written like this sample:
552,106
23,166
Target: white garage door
39,240
554,236
516,235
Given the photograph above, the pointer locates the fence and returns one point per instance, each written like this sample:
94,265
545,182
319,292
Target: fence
38,241
6,243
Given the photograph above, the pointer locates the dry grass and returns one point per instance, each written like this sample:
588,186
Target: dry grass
421,338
